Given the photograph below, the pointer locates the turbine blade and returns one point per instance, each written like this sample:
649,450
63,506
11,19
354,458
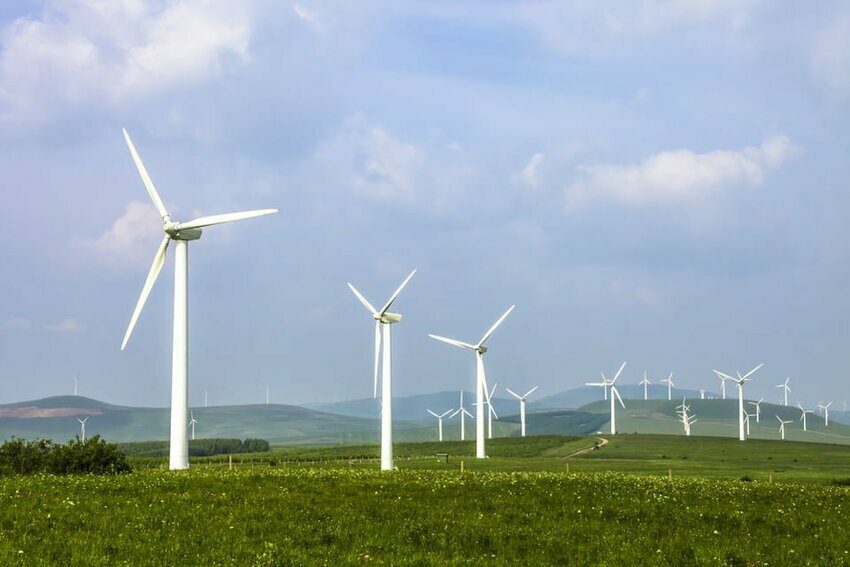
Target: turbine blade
157,202
617,375
751,372
614,389
586,384
201,222
453,342
445,413
723,376
156,267
457,411
467,413
434,414
377,356
362,299
495,325
514,394
528,393
398,291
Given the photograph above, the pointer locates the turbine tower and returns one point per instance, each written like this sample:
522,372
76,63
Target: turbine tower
825,409
192,423
803,416
782,423
785,390
614,394
521,406
645,382
462,411
440,422
722,385
181,234
383,320
491,412
83,428
481,389
740,383
670,384
75,386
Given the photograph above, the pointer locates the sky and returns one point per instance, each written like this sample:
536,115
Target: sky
663,182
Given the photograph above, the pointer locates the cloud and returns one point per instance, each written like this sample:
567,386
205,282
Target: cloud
529,173
68,325
130,241
15,323
679,176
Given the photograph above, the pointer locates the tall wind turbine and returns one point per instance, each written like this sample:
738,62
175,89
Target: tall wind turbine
758,408
825,409
614,394
782,423
722,385
383,320
192,423
481,389
440,422
521,406
785,390
803,416
645,382
462,411
740,383
491,412
83,427
181,233
670,384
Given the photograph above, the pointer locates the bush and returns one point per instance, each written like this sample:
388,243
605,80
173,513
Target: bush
93,456
19,456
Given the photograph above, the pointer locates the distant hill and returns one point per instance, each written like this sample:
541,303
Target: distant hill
415,407
583,395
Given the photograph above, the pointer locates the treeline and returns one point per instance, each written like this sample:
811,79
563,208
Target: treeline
92,456
197,447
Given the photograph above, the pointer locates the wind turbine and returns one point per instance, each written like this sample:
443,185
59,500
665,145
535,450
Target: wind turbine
782,423
645,382
521,406
383,320
740,383
481,389
192,423
614,394
685,417
181,233
702,394
785,390
83,428
825,409
440,422
803,415
758,408
75,386
491,412
462,411
722,385
669,381
205,399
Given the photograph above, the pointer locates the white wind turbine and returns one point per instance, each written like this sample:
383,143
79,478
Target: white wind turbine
521,407
825,409
181,233
702,394
491,412
740,383
383,320
75,386
192,423
462,411
686,417
803,415
758,408
722,385
669,381
440,422
747,417
645,383
481,389
782,423
785,390
614,394
83,428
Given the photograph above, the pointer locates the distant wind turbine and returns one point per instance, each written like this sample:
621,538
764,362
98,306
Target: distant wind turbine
758,408
614,394
491,412
785,390
803,415
722,385
686,417
645,382
205,398
825,409
192,423
440,422
522,400
740,383
75,386
782,423
702,394
267,395
462,411
669,381
83,427
181,233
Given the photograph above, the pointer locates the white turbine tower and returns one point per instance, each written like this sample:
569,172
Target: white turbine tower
614,394
181,234
803,415
670,384
192,423
521,407
645,382
722,385
825,409
440,422
481,389
83,428
758,408
491,412
740,383
785,390
383,320
782,423
702,394
462,411
75,386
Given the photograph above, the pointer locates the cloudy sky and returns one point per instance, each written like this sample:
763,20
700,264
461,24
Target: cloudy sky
660,181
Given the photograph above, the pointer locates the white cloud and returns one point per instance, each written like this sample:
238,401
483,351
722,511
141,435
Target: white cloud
679,176
131,240
16,323
68,325
529,172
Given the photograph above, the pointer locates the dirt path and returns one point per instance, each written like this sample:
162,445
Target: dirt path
602,442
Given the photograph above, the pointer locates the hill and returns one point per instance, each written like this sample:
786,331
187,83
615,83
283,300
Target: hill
577,397
415,407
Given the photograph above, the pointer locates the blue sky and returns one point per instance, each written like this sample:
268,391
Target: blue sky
663,182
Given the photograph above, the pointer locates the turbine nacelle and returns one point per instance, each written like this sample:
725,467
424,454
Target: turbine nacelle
388,318
173,230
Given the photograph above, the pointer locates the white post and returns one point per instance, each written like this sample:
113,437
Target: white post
613,415
462,426
387,403
480,451
522,415
179,446
440,427
669,390
644,387
741,436
489,421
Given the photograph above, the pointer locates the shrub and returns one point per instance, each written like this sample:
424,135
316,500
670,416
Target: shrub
93,456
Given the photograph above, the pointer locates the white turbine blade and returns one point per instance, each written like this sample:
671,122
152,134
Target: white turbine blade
467,413
514,394
201,222
617,375
495,325
362,299
434,414
493,411
398,291
445,413
457,411
614,389
156,267
377,356
586,384
157,202
490,394
724,376
751,372
453,342
528,393
827,405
